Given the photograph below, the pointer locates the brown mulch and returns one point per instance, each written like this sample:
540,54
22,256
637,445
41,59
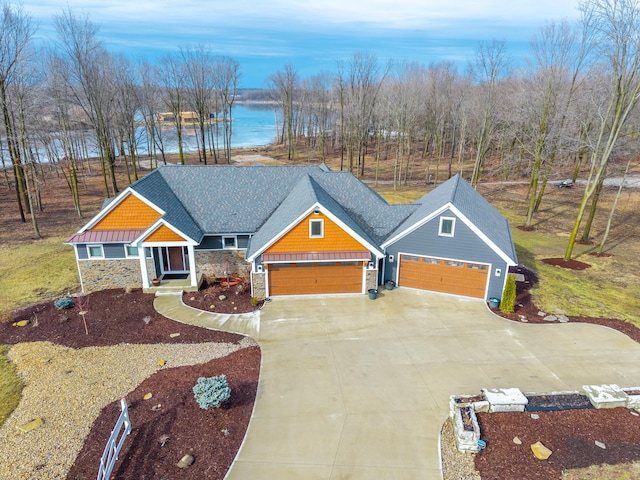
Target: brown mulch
216,296
570,434
213,437
569,264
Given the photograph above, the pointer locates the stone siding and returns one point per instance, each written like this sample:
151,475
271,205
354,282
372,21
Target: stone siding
258,285
107,274
212,263
372,279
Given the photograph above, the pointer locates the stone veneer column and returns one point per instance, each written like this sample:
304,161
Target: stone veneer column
258,287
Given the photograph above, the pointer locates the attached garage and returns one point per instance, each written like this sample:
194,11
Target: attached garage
446,276
305,278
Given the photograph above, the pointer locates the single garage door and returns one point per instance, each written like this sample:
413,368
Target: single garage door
447,276
319,277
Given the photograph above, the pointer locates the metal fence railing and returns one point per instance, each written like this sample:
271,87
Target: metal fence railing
114,445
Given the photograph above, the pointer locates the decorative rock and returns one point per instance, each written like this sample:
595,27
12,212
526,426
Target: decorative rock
601,445
550,318
162,362
147,396
222,298
535,416
542,314
524,319
563,319
211,307
517,441
174,335
32,425
185,461
634,413
21,323
540,451
157,407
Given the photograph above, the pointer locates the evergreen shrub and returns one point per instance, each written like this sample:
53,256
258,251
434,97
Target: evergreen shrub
211,392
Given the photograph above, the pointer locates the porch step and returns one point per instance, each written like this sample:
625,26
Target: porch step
169,291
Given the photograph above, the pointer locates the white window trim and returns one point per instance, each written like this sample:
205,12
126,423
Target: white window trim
235,242
453,227
95,257
321,222
128,255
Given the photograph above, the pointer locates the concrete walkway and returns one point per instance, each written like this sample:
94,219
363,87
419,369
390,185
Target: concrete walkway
355,388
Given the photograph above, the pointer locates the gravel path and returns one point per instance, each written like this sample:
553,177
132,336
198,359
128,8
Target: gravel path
68,388
455,464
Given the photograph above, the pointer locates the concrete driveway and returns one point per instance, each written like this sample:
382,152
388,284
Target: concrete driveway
358,389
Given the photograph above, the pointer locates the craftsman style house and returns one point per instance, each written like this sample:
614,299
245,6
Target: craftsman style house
293,230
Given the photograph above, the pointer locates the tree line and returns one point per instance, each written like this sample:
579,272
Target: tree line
572,105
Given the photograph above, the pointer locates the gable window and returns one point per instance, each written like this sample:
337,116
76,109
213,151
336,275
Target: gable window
447,226
131,251
229,243
316,228
95,251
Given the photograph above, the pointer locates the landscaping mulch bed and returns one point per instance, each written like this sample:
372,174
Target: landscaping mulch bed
215,296
212,437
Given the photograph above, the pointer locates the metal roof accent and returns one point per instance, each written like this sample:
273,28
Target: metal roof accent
316,256
105,236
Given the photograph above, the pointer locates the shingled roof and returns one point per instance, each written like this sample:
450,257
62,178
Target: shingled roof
233,199
472,205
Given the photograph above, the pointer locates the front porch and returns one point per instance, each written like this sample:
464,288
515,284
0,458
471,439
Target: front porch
183,284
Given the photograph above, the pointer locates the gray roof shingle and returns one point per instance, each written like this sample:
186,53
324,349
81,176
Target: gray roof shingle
472,205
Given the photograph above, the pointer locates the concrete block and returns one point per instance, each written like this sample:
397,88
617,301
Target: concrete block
606,396
505,399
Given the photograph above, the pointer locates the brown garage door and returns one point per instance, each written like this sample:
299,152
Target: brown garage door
447,276
321,277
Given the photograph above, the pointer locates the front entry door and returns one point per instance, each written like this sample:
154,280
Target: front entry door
174,259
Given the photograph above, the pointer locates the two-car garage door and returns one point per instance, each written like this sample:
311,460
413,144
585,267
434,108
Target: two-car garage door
447,276
315,277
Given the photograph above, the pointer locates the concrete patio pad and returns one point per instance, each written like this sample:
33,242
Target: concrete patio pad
355,388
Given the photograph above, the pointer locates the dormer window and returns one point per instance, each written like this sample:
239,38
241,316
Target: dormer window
316,228
447,226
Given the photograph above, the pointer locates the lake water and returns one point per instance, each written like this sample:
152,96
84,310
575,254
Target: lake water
253,126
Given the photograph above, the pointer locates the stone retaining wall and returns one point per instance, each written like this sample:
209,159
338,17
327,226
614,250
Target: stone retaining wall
212,263
106,274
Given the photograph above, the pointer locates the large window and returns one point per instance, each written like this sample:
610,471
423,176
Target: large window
447,226
316,228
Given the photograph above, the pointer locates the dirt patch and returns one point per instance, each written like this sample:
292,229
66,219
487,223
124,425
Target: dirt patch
568,264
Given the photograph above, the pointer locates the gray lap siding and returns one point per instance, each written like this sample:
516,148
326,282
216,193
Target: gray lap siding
465,245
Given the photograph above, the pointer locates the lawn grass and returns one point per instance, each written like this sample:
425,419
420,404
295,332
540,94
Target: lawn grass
35,271
10,385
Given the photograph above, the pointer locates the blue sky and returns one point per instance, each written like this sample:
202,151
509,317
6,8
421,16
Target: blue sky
265,35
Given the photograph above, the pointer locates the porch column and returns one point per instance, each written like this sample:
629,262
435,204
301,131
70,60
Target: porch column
142,255
192,265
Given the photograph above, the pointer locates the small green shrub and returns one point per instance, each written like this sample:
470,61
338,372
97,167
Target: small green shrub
254,301
211,392
64,303
508,302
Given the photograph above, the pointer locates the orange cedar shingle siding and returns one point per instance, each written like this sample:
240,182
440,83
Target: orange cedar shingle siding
297,239
164,234
130,214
